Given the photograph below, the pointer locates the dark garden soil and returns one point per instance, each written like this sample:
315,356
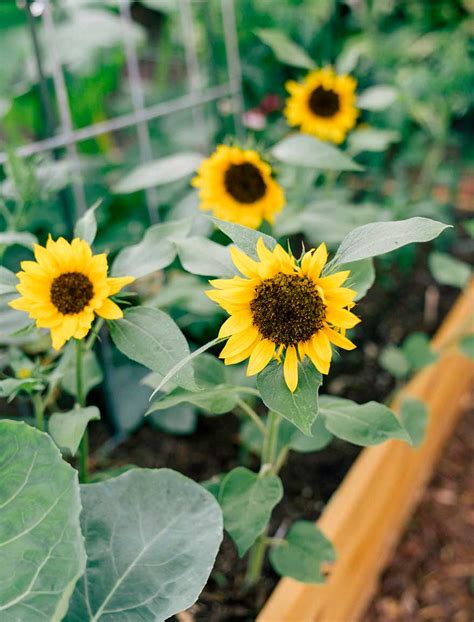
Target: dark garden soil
401,302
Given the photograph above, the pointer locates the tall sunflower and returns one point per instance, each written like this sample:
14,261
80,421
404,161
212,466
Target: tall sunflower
65,287
284,307
237,185
323,104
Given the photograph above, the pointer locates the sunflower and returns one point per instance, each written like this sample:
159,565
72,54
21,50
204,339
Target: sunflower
65,287
237,185
323,104
284,307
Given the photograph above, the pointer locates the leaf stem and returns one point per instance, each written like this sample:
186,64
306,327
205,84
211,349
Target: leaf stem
81,400
248,410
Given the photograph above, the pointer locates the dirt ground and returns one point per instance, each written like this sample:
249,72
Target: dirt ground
431,577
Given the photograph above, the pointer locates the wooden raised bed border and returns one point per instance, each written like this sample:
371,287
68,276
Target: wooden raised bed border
367,514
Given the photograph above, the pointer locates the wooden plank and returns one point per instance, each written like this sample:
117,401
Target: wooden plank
367,514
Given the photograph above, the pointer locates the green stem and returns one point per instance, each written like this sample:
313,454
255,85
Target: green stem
253,415
81,400
38,408
94,333
257,553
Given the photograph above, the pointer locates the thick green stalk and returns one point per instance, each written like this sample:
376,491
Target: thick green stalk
81,400
38,408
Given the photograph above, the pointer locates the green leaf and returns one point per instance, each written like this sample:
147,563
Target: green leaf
394,361
300,407
158,172
8,238
361,424
155,251
414,415
8,281
377,97
67,429
204,257
10,387
320,438
180,419
308,151
361,278
418,352
371,139
216,400
449,271
466,345
284,49
150,337
302,553
66,370
86,226
244,238
247,501
151,540
40,538
378,238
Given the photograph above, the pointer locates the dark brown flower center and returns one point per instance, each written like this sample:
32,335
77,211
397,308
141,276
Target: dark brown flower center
287,309
324,103
70,292
244,182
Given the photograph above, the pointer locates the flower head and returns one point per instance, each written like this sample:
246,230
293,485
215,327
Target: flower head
65,287
323,104
237,185
282,307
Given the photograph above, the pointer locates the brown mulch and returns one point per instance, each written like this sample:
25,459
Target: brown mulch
431,577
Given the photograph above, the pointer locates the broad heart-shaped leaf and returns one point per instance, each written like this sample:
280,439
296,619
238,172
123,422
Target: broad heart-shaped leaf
361,278
199,255
394,361
302,553
150,337
243,237
378,238
417,351
284,48
155,251
414,415
308,151
361,424
158,172
181,419
247,500
448,270
217,400
41,545
86,226
67,429
151,540
300,407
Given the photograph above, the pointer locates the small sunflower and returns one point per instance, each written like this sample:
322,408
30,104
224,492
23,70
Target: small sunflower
323,104
65,287
237,185
283,306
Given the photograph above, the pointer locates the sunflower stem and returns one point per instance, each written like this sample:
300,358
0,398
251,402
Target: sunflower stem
81,400
94,334
248,410
38,408
257,553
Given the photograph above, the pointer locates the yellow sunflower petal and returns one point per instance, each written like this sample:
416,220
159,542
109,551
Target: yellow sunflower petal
321,345
239,341
341,318
290,368
235,323
109,310
117,283
318,261
260,357
244,264
339,340
333,280
321,365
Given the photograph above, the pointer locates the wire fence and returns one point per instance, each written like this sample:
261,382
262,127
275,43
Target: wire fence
65,136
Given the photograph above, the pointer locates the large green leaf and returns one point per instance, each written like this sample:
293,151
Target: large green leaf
247,500
361,278
243,237
308,151
8,238
418,351
378,238
284,48
151,540
86,226
302,553
155,251
361,424
205,257
41,544
158,172
8,281
414,415
217,400
67,429
300,407
377,97
150,337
